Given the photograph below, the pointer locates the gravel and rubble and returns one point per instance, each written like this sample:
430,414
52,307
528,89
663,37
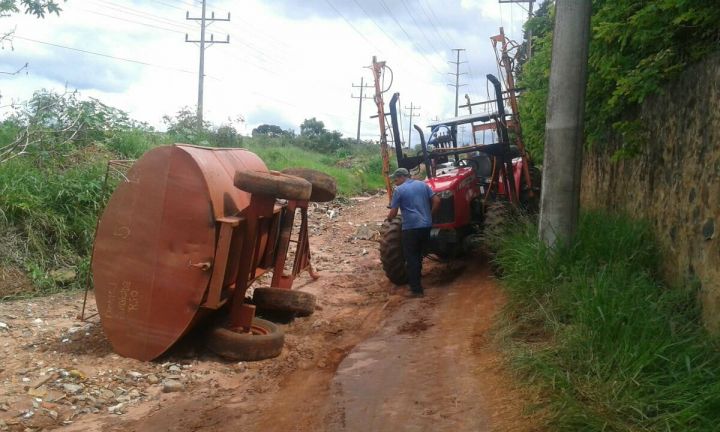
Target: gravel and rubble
57,370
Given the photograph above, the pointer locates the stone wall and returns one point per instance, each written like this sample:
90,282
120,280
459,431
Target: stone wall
675,182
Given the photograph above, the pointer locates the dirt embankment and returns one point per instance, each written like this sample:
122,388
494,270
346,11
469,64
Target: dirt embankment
425,364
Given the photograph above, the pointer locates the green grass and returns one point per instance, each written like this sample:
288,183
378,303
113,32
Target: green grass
51,214
610,347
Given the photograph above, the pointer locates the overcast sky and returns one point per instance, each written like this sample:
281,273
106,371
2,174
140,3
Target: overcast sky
287,59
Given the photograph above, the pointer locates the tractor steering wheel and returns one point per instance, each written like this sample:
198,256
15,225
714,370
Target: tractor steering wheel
469,162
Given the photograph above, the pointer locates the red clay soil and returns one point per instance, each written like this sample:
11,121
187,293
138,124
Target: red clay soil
369,359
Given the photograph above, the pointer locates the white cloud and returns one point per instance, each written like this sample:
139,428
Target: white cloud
287,60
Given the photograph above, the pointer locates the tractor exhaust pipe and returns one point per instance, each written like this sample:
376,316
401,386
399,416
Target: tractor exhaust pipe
504,138
395,128
426,157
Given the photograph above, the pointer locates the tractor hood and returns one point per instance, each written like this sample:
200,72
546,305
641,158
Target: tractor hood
449,178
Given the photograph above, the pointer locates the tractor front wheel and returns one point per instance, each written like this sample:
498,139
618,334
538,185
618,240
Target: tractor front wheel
391,252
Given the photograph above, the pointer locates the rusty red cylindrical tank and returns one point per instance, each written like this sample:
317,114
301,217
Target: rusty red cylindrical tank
156,239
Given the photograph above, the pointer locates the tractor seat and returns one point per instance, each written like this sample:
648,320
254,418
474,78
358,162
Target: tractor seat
483,165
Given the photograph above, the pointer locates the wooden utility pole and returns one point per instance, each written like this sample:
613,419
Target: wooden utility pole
361,97
410,121
560,198
377,69
203,43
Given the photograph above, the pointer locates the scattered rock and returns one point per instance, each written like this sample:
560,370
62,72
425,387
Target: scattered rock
135,375
365,232
152,379
4,326
37,392
76,374
72,388
117,409
708,229
174,368
170,386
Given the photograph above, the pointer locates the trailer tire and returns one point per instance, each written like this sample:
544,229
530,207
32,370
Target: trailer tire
391,252
265,341
324,187
284,300
274,184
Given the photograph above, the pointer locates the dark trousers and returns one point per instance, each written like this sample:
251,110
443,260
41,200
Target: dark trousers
415,243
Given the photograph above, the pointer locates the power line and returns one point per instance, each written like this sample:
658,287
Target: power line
140,62
410,38
419,27
447,41
134,22
141,14
352,26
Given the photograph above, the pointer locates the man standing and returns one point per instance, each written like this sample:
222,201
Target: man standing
418,203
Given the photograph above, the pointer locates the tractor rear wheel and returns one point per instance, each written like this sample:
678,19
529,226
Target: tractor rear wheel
274,184
391,252
265,340
284,300
324,187
498,215
532,204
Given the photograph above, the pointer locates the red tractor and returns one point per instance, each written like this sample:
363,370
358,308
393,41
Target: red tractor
478,185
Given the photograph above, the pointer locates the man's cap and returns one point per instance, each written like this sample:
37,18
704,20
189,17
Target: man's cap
400,172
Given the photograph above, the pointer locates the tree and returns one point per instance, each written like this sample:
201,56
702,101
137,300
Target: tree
268,130
35,7
51,124
312,128
184,127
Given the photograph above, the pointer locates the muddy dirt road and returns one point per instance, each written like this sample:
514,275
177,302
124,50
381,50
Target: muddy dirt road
427,368
369,359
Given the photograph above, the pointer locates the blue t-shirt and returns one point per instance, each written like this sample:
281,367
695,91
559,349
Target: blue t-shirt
413,199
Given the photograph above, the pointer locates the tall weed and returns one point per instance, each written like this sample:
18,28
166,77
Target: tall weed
611,346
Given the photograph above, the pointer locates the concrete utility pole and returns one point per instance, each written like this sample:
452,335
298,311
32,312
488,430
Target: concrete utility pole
457,74
560,200
204,23
361,97
410,116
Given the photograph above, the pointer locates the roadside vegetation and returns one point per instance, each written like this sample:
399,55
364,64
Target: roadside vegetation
54,151
636,47
608,346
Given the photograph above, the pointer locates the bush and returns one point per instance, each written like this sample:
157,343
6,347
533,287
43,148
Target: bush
610,346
